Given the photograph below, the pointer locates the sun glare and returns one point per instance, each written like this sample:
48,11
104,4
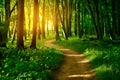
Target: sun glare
48,23
40,17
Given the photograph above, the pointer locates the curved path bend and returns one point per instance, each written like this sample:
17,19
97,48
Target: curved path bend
75,66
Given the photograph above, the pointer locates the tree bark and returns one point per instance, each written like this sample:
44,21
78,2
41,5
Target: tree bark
75,26
108,25
20,28
43,20
70,17
35,23
114,26
95,18
63,21
56,20
79,29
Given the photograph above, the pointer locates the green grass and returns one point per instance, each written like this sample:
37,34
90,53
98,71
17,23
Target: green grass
28,64
77,44
105,58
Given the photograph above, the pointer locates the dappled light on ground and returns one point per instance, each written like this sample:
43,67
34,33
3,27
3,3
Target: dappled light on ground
74,66
64,49
79,76
83,61
73,55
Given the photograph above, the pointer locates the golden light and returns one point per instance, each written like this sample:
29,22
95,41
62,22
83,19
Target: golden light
48,23
40,17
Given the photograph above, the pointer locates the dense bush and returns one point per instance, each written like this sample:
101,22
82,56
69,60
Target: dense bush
28,64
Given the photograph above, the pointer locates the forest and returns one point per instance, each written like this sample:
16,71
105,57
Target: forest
32,33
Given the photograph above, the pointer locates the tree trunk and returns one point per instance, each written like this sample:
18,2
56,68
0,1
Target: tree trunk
14,30
79,29
118,17
108,28
43,20
70,17
97,13
66,17
35,23
20,27
95,18
83,17
56,20
114,26
47,28
75,26
29,23
7,21
63,21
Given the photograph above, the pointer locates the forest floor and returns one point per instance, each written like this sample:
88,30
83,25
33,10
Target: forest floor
75,66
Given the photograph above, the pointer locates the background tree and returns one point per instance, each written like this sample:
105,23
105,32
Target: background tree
56,19
70,17
43,19
35,23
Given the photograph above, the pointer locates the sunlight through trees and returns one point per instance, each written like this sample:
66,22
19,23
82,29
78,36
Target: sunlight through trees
59,18
91,27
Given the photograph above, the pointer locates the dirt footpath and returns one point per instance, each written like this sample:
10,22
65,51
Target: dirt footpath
74,66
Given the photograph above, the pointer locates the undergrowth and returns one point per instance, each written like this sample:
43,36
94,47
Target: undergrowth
105,62
105,58
28,64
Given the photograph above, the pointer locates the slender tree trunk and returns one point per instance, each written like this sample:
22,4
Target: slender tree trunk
114,26
75,27
56,20
108,28
70,17
14,34
97,13
79,29
66,17
28,6
7,12
20,27
14,31
63,21
29,23
83,17
7,21
38,26
35,23
47,28
95,20
43,20
118,17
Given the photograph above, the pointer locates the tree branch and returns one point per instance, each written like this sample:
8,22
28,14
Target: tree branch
13,7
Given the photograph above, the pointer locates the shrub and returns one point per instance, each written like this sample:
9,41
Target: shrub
29,64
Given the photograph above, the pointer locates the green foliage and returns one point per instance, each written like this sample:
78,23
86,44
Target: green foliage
103,57
87,23
105,62
1,3
29,64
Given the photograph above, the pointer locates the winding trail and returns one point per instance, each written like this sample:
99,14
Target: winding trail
74,66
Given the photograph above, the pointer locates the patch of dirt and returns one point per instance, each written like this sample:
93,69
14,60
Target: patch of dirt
74,66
